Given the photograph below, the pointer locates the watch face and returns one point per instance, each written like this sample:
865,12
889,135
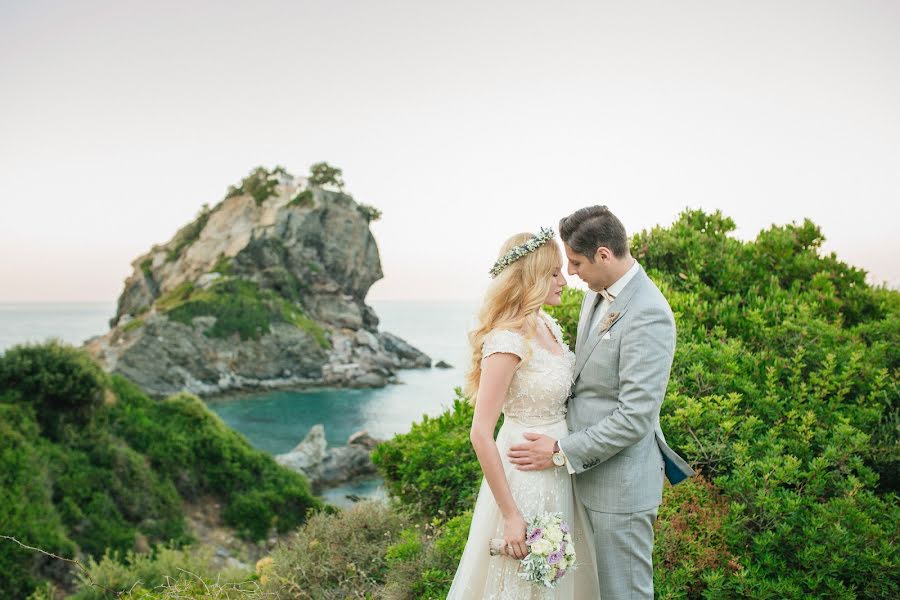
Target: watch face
558,460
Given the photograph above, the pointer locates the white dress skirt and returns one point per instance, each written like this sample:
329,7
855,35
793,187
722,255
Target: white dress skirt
535,403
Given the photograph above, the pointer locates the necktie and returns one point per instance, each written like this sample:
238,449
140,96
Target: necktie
605,293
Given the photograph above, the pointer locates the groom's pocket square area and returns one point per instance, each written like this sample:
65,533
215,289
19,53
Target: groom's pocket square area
606,336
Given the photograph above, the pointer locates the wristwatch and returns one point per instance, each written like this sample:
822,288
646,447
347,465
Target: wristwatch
559,458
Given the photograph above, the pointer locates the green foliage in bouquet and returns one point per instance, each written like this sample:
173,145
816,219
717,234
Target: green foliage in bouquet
433,467
120,470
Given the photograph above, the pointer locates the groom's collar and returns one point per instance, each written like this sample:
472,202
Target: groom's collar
616,288
630,283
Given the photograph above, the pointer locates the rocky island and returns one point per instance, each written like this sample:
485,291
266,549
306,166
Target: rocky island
266,289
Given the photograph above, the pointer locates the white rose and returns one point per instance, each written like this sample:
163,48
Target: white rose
570,550
542,547
554,535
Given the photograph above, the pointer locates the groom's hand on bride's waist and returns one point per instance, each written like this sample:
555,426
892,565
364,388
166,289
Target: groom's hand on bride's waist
534,455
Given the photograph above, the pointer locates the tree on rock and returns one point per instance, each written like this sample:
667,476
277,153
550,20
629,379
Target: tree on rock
322,173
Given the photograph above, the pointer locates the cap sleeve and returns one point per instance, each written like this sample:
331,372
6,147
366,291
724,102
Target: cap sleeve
503,340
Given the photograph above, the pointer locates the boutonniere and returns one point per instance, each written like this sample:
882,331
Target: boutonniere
611,317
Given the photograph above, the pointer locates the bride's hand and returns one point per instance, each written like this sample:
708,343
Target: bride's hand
514,536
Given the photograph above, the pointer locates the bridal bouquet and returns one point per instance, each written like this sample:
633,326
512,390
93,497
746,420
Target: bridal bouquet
551,554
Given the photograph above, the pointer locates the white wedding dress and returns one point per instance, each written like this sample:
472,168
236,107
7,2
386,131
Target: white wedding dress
535,402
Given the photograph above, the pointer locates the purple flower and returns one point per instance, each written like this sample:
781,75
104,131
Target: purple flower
535,536
559,574
555,557
562,547
563,527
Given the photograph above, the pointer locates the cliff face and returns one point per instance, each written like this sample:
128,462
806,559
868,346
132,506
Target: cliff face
257,292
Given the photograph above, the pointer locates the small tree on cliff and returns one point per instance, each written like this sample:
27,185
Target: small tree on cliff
322,174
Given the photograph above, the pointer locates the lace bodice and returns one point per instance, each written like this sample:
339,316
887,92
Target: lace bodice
540,386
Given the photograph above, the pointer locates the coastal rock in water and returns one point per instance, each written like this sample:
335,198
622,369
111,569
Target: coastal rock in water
325,467
308,455
409,357
362,438
257,294
443,365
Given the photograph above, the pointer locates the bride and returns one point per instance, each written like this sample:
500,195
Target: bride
522,368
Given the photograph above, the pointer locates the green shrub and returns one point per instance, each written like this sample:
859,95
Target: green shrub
27,512
336,555
161,573
321,174
690,540
370,213
782,392
108,493
303,199
434,467
260,184
180,436
64,384
424,561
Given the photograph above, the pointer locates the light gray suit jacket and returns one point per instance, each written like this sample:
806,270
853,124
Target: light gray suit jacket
615,444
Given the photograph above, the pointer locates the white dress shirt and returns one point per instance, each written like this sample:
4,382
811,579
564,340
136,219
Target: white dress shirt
614,290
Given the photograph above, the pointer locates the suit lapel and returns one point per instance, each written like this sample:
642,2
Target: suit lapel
620,305
588,306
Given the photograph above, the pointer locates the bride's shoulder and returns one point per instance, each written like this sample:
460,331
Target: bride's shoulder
504,340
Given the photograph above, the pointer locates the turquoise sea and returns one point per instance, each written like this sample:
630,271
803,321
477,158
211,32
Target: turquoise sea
276,421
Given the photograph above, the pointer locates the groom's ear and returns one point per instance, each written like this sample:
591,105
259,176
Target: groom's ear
603,254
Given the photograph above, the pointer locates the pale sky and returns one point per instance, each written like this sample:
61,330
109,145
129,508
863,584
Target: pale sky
464,122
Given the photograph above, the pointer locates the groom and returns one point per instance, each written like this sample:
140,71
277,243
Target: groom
615,447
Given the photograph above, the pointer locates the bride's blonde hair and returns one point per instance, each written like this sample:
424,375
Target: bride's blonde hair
513,299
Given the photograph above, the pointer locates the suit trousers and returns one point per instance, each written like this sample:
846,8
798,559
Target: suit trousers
624,543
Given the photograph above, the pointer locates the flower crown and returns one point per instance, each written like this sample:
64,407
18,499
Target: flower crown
521,250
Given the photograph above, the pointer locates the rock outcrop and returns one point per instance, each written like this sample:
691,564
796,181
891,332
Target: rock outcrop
325,467
261,291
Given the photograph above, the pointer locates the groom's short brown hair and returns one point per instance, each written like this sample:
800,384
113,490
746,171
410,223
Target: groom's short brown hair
588,228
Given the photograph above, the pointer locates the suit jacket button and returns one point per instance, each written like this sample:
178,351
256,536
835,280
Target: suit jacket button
584,466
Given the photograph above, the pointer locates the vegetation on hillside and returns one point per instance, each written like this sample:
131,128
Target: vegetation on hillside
89,465
260,184
240,307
